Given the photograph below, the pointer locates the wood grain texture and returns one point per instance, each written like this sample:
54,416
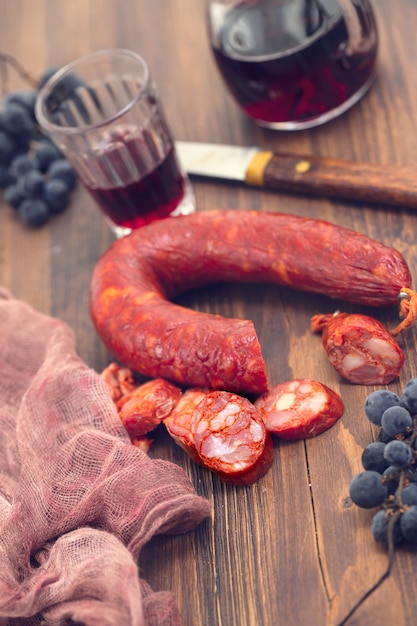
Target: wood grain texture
291,549
373,183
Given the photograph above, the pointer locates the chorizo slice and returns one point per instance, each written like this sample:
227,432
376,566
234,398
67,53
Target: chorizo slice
133,283
230,438
178,423
300,408
360,348
119,379
145,407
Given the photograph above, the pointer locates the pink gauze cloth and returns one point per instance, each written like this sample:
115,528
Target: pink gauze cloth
77,500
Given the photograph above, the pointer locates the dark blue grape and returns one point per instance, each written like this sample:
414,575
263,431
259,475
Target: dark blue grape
8,148
56,195
17,121
46,75
379,528
398,453
379,401
23,143
408,494
390,478
366,489
66,111
384,437
36,178
31,184
6,178
25,99
34,212
373,457
13,196
21,164
45,154
409,396
62,92
396,420
408,523
62,169
45,139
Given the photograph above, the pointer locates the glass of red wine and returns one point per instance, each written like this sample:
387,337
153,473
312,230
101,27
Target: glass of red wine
294,64
104,113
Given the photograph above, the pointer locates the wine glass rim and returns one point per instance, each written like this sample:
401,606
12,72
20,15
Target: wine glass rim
46,89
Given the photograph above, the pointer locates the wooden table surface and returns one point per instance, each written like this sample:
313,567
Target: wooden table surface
291,549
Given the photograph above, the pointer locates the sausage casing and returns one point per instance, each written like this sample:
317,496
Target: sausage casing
145,407
134,281
230,438
178,422
361,349
300,408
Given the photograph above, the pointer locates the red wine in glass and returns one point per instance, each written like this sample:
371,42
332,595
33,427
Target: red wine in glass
104,112
139,180
291,64
144,200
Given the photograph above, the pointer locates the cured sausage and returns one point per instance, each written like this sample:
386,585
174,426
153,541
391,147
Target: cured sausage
134,281
141,407
119,380
230,438
178,423
224,433
360,348
145,407
300,408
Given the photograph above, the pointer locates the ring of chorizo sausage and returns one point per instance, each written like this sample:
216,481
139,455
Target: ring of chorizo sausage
134,281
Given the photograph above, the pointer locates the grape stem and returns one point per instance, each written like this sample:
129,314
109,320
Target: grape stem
8,59
391,554
394,509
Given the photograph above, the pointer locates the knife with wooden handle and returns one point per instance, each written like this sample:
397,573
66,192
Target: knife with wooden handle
394,185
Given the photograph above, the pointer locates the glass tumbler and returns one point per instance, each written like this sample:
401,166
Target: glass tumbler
294,64
104,113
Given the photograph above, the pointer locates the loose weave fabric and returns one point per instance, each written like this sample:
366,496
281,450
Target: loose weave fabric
77,500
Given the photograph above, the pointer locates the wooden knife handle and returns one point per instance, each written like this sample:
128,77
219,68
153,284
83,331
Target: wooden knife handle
394,185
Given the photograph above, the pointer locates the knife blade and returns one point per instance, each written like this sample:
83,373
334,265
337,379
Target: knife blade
386,184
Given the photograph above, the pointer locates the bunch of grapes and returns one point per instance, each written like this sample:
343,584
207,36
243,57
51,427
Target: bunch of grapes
36,178
389,476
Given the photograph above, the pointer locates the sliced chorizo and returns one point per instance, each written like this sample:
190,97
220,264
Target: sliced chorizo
300,408
230,438
119,380
145,407
178,422
137,277
360,348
